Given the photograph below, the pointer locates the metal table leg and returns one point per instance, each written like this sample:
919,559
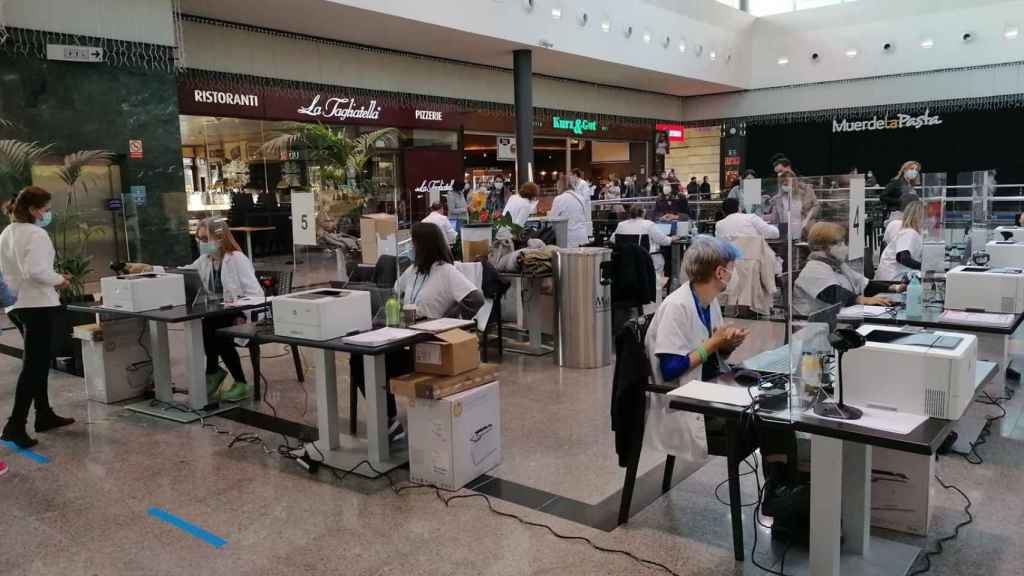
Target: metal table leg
161,355
327,399
376,384
195,365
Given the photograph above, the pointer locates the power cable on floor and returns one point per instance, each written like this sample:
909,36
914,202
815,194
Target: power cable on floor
929,554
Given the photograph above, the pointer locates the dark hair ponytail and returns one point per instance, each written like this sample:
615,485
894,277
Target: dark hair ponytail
19,209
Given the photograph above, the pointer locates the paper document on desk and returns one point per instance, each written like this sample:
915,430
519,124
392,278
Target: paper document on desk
731,394
861,311
442,325
379,337
247,301
879,419
980,318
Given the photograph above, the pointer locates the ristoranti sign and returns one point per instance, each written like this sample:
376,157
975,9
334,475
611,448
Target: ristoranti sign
887,123
263,103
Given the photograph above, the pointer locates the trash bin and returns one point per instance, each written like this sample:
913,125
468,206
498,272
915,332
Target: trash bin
585,307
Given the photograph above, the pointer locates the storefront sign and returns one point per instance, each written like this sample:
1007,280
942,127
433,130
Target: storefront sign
576,126
506,149
676,132
886,123
229,98
341,109
436,186
430,115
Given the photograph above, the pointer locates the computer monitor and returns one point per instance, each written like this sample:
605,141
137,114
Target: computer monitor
665,228
193,284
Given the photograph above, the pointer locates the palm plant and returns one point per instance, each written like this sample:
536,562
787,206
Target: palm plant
340,158
73,232
16,158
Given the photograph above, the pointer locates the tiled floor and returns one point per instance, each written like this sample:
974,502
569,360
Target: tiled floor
85,511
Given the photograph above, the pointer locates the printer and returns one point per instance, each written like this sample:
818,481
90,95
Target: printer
984,289
1005,253
322,314
1016,232
929,373
141,292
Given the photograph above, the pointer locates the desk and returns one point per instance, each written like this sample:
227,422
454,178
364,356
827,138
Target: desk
191,317
248,230
531,288
339,450
840,481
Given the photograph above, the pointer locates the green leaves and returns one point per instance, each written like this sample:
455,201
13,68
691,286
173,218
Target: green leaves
339,156
71,171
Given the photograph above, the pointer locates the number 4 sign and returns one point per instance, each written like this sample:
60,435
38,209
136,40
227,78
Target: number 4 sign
856,226
303,219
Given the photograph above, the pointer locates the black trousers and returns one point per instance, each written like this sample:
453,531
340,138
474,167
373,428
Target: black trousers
397,363
218,348
37,331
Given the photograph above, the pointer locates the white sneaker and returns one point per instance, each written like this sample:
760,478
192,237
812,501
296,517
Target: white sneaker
396,431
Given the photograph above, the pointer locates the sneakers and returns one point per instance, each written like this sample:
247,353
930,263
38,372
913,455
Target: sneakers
213,382
3,468
396,431
239,391
20,438
51,421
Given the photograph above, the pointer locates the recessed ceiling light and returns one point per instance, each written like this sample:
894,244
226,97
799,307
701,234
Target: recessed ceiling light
647,36
528,5
582,19
1011,32
682,46
713,55
927,43
606,24
783,61
556,13
851,53
627,31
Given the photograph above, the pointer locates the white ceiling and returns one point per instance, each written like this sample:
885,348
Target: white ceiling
326,19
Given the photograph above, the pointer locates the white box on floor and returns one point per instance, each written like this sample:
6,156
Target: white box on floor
455,439
116,366
901,490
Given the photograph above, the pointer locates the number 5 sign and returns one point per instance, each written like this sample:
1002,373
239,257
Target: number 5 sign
303,219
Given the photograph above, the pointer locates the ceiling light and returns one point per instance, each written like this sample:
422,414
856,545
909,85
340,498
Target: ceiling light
851,53
627,31
582,19
647,36
783,61
556,13
682,46
927,43
1011,32
700,51
528,5
666,42
713,55
606,24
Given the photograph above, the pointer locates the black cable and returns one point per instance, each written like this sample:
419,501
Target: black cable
752,470
928,554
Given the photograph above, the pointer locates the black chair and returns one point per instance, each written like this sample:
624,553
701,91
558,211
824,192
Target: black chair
641,239
274,283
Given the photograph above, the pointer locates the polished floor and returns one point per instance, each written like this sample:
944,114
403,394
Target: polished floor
82,502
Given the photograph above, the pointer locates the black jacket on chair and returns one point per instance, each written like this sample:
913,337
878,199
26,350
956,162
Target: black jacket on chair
632,373
634,278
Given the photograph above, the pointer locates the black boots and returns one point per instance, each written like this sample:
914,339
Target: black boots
50,421
18,435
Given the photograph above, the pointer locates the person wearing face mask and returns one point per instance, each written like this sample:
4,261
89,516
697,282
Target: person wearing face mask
687,338
574,205
827,283
496,196
900,190
783,207
26,261
737,190
223,270
904,254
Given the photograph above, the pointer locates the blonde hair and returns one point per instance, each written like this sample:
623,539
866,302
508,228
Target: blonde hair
825,234
906,166
913,215
217,229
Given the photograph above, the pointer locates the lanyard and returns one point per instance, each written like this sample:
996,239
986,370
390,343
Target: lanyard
703,313
417,286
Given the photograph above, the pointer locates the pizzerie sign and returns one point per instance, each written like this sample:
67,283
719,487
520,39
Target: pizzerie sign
886,123
340,109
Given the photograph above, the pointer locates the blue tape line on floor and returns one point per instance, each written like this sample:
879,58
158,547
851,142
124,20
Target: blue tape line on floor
211,539
38,458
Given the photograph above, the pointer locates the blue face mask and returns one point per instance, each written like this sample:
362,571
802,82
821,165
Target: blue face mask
45,220
207,248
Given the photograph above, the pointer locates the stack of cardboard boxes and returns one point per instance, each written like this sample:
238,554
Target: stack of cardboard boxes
454,412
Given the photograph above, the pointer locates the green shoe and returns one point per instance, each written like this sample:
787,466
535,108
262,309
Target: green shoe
213,382
239,391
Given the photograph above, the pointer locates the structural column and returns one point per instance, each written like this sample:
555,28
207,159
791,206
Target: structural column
523,71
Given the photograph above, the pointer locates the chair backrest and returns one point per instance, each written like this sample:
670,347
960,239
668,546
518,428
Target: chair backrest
641,239
275,282
475,272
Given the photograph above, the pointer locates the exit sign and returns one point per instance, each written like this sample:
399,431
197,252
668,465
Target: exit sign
74,53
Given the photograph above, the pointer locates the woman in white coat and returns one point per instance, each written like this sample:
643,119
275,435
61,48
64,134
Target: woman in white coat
521,204
637,225
224,270
573,205
903,255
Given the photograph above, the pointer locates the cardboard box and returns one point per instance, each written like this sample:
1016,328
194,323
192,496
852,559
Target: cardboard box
901,490
455,439
374,228
116,367
431,387
448,354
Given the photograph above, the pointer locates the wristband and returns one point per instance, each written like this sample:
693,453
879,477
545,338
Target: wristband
702,353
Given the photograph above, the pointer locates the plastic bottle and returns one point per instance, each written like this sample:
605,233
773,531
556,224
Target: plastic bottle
914,295
392,312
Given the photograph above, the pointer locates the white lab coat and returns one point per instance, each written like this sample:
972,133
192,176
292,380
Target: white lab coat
640,226
519,208
906,239
891,229
441,221
676,329
237,275
573,206
739,224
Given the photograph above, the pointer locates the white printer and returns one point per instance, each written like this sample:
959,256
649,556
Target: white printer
322,314
929,373
1005,253
982,289
141,292
1017,233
